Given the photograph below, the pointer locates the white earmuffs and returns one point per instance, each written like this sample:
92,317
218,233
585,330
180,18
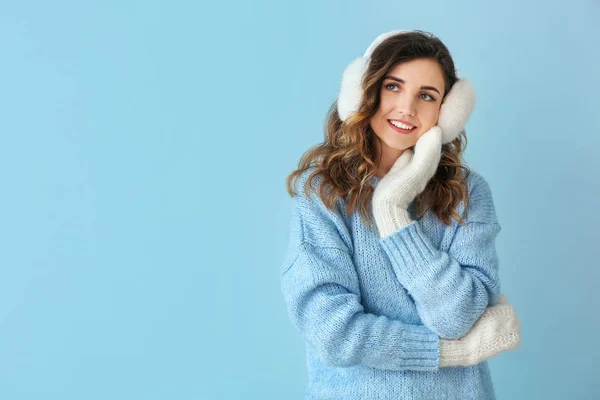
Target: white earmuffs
454,112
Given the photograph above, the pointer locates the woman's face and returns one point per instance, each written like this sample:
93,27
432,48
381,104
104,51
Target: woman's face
411,93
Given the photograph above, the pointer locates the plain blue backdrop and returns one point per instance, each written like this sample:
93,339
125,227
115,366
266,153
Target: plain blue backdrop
144,216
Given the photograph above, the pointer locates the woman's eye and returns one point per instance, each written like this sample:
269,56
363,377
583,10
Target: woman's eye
392,85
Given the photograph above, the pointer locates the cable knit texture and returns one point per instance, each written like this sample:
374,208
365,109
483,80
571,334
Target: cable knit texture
372,310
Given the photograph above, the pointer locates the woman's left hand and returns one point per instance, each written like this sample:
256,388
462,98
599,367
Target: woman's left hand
406,179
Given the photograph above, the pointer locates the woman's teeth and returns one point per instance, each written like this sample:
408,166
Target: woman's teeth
401,125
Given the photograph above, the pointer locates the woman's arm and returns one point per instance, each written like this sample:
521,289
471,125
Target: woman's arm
321,291
451,289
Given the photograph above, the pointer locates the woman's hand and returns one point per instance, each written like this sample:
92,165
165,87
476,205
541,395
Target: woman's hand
406,179
497,330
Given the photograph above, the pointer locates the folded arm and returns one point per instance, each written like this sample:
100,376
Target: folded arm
451,289
321,291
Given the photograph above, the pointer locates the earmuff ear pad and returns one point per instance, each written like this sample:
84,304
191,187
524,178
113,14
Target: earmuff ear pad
456,110
350,94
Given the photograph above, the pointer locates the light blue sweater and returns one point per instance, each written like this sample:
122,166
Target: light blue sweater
372,310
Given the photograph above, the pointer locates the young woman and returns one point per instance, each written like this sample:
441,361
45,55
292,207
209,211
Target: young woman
407,307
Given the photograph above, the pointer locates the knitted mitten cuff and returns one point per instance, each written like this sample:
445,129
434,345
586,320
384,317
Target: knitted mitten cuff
390,218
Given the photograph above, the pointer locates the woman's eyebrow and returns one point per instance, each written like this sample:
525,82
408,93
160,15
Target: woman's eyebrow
402,81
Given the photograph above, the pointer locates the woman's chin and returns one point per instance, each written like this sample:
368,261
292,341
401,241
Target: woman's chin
400,146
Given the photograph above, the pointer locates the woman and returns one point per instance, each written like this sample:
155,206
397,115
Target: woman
409,307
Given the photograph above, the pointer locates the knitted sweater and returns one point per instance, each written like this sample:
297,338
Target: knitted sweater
372,310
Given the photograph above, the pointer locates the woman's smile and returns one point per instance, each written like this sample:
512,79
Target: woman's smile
397,127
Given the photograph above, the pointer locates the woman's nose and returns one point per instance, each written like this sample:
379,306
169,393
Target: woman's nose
406,105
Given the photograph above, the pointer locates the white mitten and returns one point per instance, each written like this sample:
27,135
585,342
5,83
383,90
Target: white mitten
497,330
404,181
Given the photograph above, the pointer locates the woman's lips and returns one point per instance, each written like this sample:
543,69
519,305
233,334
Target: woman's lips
405,131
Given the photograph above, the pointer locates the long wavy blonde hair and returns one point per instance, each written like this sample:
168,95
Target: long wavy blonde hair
345,159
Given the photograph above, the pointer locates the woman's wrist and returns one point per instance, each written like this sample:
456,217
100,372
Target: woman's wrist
390,219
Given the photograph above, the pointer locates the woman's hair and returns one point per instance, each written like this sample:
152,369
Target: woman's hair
345,159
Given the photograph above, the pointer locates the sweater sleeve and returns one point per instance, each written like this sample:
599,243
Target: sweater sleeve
451,289
321,290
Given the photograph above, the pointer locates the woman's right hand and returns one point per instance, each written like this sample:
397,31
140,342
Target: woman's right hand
497,330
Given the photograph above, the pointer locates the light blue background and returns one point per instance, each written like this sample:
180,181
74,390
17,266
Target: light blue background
144,151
